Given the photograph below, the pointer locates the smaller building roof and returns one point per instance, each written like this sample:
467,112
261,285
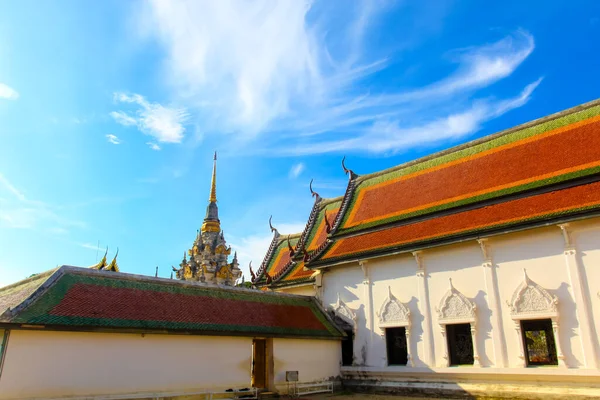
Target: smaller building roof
73,298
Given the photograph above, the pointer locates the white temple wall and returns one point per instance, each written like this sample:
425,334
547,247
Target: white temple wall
540,251
462,264
49,364
347,283
586,239
315,360
398,275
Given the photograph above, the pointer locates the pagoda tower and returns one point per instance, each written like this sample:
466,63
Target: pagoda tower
208,257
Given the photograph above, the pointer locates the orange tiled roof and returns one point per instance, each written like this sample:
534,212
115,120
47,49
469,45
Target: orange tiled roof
540,207
553,151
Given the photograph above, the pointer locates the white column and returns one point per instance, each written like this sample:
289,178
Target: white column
476,362
410,361
559,352
582,306
368,307
428,349
491,284
522,348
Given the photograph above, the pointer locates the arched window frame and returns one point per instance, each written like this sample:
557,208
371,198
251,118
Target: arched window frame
395,314
531,301
456,308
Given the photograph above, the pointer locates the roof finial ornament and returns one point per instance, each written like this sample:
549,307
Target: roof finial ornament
273,229
251,272
113,266
291,249
171,274
306,255
156,273
312,192
346,170
268,277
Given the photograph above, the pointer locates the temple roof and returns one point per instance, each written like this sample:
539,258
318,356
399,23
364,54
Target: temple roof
537,172
545,171
285,266
75,298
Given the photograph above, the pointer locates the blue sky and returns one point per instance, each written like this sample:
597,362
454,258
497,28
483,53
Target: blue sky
110,111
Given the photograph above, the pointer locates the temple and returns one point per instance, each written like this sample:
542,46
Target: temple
208,255
484,255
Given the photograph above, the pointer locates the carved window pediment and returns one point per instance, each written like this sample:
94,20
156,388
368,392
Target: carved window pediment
530,300
455,308
341,310
393,312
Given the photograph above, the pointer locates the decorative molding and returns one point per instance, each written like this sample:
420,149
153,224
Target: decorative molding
345,313
393,313
420,264
485,250
365,270
456,308
530,300
568,238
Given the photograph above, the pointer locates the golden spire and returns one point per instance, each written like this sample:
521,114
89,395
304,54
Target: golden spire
213,185
211,221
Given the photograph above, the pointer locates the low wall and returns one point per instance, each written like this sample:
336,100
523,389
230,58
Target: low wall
40,364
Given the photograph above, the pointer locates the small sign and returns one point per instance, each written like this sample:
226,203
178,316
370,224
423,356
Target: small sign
291,376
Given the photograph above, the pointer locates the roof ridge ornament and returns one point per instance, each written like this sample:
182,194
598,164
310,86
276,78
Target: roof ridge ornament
113,266
251,272
312,192
273,229
327,225
346,170
291,249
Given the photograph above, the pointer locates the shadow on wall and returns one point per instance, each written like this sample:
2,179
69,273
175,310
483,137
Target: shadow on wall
484,328
568,324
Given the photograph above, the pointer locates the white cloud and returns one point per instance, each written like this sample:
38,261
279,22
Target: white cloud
296,170
6,92
391,136
20,212
165,124
123,119
113,139
254,247
153,146
290,69
90,246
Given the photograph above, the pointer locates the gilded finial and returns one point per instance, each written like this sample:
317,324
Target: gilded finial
113,266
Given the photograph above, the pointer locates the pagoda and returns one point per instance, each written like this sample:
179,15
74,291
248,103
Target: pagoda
208,257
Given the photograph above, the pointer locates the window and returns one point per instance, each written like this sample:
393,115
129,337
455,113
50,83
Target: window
348,348
460,344
538,341
397,351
